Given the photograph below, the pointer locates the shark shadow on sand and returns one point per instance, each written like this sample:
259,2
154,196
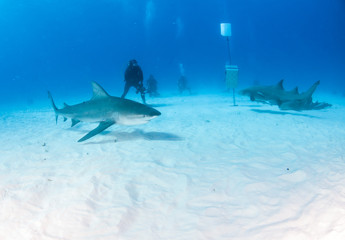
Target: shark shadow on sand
283,113
286,100
137,134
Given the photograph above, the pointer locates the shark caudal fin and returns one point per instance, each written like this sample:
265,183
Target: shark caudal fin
54,106
311,90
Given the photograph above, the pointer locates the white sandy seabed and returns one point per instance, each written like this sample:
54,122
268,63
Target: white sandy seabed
202,170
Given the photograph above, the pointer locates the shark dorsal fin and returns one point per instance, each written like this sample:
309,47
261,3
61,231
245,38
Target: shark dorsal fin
98,91
295,90
65,104
280,84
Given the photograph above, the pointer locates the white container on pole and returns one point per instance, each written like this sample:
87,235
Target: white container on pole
225,29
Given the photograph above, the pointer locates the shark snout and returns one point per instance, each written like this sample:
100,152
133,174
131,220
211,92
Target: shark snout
150,111
155,113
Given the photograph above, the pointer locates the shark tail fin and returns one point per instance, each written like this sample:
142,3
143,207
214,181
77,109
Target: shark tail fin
312,89
54,106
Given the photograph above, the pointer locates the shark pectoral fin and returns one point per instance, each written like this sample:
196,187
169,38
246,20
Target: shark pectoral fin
74,122
101,127
64,119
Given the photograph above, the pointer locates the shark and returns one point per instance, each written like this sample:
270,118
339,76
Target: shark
106,110
286,100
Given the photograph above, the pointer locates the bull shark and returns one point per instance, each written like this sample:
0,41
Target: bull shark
106,110
286,100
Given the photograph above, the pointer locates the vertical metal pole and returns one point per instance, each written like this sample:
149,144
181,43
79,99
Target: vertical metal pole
227,40
233,95
233,90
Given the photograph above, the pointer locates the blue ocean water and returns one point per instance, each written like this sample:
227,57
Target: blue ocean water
62,45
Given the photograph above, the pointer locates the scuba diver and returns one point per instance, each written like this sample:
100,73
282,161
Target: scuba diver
134,78
182,83
152,86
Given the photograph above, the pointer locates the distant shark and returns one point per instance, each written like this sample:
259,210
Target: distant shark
286,100
105,109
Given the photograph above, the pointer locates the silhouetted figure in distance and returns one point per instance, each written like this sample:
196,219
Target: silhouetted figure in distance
183,85
152,86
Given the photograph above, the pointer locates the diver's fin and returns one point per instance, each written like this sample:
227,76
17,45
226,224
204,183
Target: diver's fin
74,122
101,127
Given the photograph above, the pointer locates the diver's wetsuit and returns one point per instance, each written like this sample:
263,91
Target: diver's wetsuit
134,78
